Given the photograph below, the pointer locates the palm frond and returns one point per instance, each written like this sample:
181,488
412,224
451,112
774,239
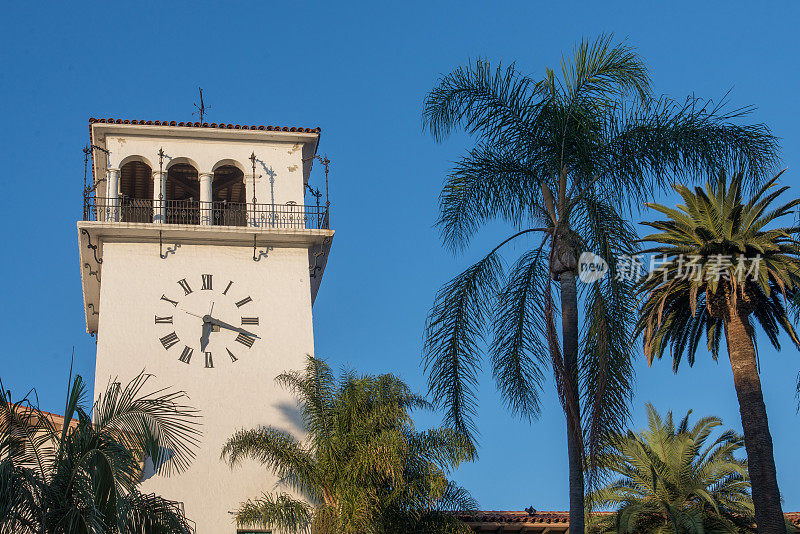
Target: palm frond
152,514
454,328
157,423
280,512
519,349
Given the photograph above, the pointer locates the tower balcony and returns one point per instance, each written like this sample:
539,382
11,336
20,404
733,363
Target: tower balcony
217,213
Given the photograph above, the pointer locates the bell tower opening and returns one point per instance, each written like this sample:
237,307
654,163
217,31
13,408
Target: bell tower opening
136,192
182,195
228,193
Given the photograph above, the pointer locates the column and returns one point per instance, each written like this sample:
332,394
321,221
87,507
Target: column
206,204
112,194
159,197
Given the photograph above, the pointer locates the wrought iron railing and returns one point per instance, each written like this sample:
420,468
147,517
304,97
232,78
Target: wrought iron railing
125,209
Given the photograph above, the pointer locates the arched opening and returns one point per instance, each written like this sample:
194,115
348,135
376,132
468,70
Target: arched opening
136,192
182,195
228,194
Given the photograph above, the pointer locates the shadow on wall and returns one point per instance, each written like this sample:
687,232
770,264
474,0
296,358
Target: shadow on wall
149,469
293,417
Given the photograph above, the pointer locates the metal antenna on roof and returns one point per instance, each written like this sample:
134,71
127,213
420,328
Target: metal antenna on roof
201,109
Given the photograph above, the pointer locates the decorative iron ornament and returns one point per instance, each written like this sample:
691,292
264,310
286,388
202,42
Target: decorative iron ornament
161,246
253,161
96,274
86,151
93,247
318,255
325,163
161,181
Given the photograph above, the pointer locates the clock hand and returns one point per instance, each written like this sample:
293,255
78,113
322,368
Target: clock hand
229,326
204,336
190,313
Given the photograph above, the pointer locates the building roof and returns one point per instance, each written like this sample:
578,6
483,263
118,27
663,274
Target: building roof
554,522
58,420
539,521
221,125
515,516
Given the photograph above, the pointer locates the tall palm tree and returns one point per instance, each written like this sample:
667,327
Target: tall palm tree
726,269
364,468
671,480
563,158
84,477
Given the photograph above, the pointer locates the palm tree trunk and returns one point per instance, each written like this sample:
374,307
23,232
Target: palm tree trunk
757,439
569,330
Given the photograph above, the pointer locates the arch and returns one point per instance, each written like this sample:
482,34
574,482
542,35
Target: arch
228,194
136,191
228,163
182,160
135,157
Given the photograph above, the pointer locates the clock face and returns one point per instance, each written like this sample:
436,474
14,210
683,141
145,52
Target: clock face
200,321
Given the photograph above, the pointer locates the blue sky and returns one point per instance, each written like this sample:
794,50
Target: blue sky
360,71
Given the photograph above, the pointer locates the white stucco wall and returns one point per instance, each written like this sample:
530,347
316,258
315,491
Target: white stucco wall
231,395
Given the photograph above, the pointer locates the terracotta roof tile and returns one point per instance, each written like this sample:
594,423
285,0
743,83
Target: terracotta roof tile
222,126
513,516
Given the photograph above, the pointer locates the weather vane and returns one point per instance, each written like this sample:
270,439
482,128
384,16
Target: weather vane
201,109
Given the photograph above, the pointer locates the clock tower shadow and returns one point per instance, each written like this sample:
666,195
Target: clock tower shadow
291,413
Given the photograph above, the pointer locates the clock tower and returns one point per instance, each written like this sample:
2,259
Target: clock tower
202,248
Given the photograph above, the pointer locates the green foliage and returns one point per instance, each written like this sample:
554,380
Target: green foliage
762,278
669,479
363,466
84,477
562,157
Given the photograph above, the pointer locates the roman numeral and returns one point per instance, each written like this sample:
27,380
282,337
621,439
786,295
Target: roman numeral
209,361
245,340
173,302
169,340
233,358
186,355
206,282
249,320
163,320
228,287
243,302
185,286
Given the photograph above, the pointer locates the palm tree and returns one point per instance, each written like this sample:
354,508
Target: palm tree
563,158
673,480
83,477
723,272
364,468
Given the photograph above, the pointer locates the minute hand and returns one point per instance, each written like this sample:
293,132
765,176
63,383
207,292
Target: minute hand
227,326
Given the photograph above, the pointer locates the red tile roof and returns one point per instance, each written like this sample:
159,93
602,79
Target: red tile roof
513,516
545,517
220,125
